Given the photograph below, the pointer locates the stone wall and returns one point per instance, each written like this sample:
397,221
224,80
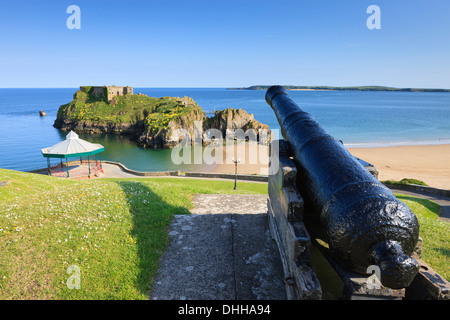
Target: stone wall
112,91
118,91
285,213
98,92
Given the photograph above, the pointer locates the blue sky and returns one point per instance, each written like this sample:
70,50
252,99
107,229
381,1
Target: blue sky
225,43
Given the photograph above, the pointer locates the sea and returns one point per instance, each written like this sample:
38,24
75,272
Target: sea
358,118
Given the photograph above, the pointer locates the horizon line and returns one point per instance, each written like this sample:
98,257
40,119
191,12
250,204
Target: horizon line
240,87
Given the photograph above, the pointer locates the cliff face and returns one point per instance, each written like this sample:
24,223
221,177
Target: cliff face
230,120
93,127
152,122
167,136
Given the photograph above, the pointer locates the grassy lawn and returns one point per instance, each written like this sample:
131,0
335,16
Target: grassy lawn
114,231
434,232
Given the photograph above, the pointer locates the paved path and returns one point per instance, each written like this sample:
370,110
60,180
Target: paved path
222,251
114,171
442,201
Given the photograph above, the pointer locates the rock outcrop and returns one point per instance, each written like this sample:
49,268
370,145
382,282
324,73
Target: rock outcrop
93,127
230,120
169,136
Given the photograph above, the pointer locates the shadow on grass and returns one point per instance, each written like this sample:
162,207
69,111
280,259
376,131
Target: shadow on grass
442,251
151,218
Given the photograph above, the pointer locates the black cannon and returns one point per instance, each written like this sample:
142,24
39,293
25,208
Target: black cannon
365,223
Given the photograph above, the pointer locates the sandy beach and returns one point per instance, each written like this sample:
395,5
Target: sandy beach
429,163
254,159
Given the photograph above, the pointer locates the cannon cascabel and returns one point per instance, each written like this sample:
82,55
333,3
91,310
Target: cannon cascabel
365,223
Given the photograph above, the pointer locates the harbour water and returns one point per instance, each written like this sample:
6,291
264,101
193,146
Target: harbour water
358,118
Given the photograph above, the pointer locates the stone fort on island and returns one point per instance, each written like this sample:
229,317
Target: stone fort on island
112,91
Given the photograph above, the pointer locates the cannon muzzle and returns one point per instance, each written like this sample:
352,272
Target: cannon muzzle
365,223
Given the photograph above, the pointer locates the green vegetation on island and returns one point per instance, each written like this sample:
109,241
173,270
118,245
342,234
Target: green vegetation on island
150,121
155,113
357,88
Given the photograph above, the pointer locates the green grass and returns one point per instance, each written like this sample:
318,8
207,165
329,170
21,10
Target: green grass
114,230
406,181
434,232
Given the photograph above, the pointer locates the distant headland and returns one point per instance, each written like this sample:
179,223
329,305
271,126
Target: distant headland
360,88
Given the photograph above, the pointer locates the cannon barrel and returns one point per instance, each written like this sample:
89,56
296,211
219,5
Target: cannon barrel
365,223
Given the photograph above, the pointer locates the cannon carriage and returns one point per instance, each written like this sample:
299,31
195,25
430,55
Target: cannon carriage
319,194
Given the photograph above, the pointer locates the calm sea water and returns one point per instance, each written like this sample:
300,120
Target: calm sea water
356,118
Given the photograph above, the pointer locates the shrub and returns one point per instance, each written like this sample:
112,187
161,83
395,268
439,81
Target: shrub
406,181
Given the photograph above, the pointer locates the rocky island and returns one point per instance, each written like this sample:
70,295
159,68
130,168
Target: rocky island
150,121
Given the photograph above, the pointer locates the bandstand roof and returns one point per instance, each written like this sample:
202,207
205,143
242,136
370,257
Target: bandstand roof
72,147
